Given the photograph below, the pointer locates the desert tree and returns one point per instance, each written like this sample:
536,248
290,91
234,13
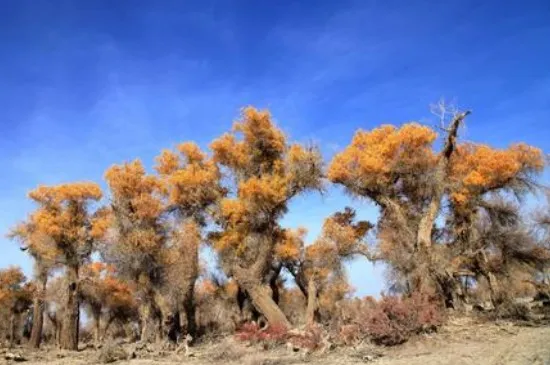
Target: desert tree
263,173
63,224
191,183
400,170
55,299
39,246
489,235
217,305
105,296
318,268
16,296
135,236
542,231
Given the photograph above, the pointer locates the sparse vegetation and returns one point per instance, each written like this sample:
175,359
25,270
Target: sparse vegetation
450,232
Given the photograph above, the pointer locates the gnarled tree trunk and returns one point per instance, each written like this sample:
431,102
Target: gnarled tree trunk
13,328
145,321
38,316
190,313
96,314
69,333
251,280
312,304
262,299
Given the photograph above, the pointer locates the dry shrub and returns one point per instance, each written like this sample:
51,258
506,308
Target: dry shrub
112,353
506,307
227,351
252,333
392,320
350,334
310,340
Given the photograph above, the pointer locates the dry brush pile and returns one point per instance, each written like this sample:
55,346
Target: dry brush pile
450,231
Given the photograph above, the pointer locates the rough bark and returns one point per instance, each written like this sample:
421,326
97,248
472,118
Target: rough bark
425,227
190,314
107,326
312,304
69,334
38,316
251,280
159,335
174,326
145,319
97,326
262,299
12,327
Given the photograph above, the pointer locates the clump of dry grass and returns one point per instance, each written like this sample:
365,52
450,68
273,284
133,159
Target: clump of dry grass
227,350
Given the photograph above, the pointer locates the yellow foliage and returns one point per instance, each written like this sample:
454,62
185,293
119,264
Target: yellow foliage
375,158
167,162
13,288
267,172
61,223
256,126
476,169
192,152
129,182
229,152
191,183
290,247
101,222
55,195
265,192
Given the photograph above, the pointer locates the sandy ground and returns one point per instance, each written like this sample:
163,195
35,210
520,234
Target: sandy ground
461,342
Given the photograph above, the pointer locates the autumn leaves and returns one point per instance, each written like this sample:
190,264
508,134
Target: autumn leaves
150,230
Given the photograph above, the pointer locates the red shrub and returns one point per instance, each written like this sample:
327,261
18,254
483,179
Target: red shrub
350,334
392,320
252,333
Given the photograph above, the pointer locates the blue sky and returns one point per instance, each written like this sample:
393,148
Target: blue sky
86,84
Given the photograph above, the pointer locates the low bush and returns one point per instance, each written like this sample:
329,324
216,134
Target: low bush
392,320
252,333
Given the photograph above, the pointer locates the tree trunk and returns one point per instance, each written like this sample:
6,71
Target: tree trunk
159,335
251,280
37,322
493,287
263,301
144,317
97,326
312,306
69,334
151,320
106,328
58,330
425,227
190,311
12,329
174,327
38,316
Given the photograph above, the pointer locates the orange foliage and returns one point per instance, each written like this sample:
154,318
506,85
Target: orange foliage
267,171
129,182
138,194
373,159
14,292
190,179
103,288
290,246
476,169
61,224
